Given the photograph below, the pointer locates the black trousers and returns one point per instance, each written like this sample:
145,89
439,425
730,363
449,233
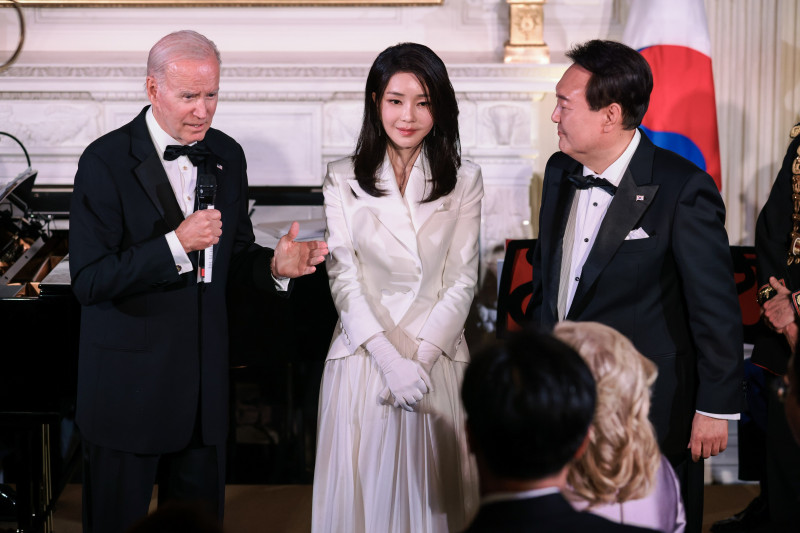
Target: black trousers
118,486
782,482
690,476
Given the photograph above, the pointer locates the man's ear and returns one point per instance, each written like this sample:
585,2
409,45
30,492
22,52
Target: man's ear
584,445
151,87
612,116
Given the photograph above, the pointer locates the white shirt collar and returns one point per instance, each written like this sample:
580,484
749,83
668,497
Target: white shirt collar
615,171
161,139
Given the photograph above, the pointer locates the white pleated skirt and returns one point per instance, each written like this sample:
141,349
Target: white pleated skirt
380,469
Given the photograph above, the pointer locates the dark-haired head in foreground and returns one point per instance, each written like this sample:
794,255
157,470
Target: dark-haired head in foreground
529,403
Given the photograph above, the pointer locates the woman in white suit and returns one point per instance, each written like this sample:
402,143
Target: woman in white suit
403,216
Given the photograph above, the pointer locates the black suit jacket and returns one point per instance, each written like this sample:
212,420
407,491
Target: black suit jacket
673,294
153,343
773,229
551,513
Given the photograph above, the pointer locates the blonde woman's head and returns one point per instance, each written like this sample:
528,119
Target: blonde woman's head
623,457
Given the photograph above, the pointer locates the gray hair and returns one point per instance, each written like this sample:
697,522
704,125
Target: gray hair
179,46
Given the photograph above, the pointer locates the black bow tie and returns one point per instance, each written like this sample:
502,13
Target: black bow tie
196,153
586,182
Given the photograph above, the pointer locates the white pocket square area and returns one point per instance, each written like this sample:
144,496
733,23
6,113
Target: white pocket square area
637,233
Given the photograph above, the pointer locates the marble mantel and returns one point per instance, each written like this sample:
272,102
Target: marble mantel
293,113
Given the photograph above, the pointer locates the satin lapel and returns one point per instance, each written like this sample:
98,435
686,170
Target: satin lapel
416,189
150,173
626,209
389,209
554,220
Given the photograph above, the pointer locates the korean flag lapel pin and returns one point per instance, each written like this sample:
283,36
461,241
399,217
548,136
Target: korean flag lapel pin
640,197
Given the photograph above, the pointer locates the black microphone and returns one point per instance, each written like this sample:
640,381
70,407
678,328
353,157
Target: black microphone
206,191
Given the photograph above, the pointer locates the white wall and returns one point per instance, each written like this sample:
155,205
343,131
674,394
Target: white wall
755,48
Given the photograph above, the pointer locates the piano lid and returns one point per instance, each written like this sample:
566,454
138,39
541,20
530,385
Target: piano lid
21,187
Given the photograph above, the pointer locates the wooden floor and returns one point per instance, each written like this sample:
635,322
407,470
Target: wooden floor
287,508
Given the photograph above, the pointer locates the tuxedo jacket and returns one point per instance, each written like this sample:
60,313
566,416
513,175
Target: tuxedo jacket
153,342
551,513
398,262
773,230
672,293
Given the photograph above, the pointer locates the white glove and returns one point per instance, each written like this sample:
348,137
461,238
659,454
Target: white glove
406,379
427,355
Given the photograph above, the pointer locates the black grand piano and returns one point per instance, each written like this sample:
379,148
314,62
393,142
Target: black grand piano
278,348
38,365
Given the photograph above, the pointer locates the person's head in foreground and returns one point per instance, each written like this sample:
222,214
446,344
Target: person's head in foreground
529,403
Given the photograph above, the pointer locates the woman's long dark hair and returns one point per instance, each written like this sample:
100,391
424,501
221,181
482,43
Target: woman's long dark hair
442,146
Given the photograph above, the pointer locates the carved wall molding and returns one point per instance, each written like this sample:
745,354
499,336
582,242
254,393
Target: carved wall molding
291,119
534,74
45,95
74,71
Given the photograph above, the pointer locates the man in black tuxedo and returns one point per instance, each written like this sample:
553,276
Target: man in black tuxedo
633,236
529,403
153,368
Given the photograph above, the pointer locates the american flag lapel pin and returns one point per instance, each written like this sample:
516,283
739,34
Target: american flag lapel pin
640,198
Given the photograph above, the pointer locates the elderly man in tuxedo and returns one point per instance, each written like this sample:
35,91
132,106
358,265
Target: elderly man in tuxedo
153,366
633,236
529,404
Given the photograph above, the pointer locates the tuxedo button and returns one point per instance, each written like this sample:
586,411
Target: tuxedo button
577,278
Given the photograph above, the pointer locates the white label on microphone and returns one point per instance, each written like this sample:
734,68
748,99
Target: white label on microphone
208,259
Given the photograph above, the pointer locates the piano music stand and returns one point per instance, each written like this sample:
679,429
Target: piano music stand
17,194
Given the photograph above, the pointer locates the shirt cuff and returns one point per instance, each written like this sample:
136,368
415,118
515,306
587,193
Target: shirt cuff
735,416
182,262
281,285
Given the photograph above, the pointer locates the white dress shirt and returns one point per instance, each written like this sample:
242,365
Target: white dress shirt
182,176
590,212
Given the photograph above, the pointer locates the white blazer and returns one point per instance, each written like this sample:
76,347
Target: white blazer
397,262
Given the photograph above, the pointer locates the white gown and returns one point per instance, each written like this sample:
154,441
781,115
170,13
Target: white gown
380,469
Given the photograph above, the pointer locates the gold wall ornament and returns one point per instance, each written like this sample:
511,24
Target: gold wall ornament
4,3
525,32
